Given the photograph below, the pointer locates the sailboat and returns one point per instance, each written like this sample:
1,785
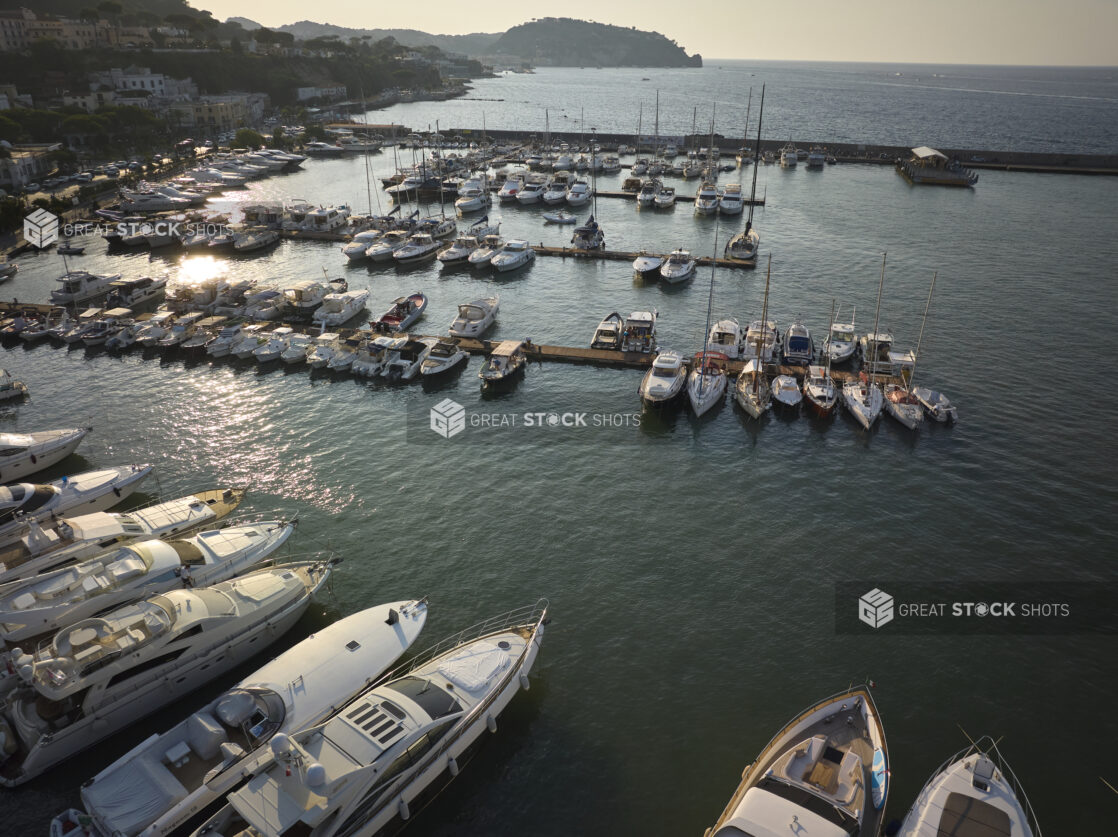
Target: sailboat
752,389
901,401
743,246
706,383
819,389
590,236
862,396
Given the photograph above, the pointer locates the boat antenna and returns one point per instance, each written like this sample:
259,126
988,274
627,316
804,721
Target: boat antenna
830,332
761,336
710,304
920,339
756,160
368,170
876,320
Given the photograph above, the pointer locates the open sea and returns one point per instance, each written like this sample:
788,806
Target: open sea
691,564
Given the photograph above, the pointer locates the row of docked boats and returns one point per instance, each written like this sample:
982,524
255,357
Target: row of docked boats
828,773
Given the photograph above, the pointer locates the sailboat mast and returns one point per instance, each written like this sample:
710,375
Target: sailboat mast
830,332
756,160
656,142
640,116
710,305
762,332
920,339
876,319
745,131
712,172
442,172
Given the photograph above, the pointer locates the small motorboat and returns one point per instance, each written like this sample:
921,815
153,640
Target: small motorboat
842,341
678,267
404,356
706,199
271,348
252,337
418,248
475,318
251,241
903,405
560,216
345,353
222,345
799,348
579,194
664,381
937,405
322,351
639,332
650,188
404,312
68,249
358,247
728,337
786,391
337,309
608,333
516,253
296,349
489,247
110,323
444,356
665,198
459,251
647,266
504,363
10,388
706,382
731,201
385,247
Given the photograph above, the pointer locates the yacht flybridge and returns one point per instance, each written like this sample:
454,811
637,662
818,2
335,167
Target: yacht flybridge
45,603
102,674
41,549
824,774
361,770
146,793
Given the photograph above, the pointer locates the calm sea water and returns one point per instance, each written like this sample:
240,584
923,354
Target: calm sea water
1053,109
690,564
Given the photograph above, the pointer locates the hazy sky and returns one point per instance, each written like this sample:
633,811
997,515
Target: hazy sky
934,31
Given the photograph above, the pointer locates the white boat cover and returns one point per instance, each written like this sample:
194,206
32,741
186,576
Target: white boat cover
474,666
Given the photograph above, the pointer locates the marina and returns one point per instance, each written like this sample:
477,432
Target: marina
817,500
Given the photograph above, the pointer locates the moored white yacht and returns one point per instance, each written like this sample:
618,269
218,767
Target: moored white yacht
43,604
419,248
80,286
22,503
144,794
937,405
405,311
516,253
731,201
101,674
483,255
475,318
816,776
728,337
226,339
357,249
305,297
761,341
444,355
338,309
842,341
665,198
532,191
404,356
799,348
511,187
664,381
608,333
707,198
27,453
384,247
358,773
972,793
42,548
458,251
270,349
298,345
678,267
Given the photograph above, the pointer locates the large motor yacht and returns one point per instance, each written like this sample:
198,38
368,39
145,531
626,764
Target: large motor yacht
359,773
102,674
27,453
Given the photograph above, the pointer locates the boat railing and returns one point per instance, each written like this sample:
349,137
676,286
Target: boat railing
988,747
533,615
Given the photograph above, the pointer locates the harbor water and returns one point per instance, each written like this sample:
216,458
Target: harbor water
691,564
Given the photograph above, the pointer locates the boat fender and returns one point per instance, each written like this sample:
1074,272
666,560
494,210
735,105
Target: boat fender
524,681
33,459
491,723
405,811
116,490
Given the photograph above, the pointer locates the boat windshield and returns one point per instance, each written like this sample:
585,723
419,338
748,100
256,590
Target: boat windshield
434,700
842,336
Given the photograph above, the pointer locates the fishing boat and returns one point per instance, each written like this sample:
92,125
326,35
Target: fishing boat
444,356
360,772
678,267
842,341
974,792
47,602
370,357
647,266
475,318
608,333
862,396
143,792
107,325
788,156
405,311
817,776
504,363
664,381
102,674
22,454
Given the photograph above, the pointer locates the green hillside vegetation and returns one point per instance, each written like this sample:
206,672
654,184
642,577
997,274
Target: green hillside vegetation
563,42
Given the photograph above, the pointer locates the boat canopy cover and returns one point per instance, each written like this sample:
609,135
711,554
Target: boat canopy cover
507,348
924,153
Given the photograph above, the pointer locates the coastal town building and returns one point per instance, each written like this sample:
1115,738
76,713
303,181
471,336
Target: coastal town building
25,164
211,115
303,94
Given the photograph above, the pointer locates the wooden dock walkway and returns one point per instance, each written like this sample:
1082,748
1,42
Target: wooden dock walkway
537,352
627,256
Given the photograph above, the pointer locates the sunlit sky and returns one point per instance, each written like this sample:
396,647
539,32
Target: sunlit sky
1062,32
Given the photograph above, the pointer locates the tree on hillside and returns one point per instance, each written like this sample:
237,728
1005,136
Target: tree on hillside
247,138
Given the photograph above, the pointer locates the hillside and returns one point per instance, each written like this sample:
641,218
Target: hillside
476,44
563,42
